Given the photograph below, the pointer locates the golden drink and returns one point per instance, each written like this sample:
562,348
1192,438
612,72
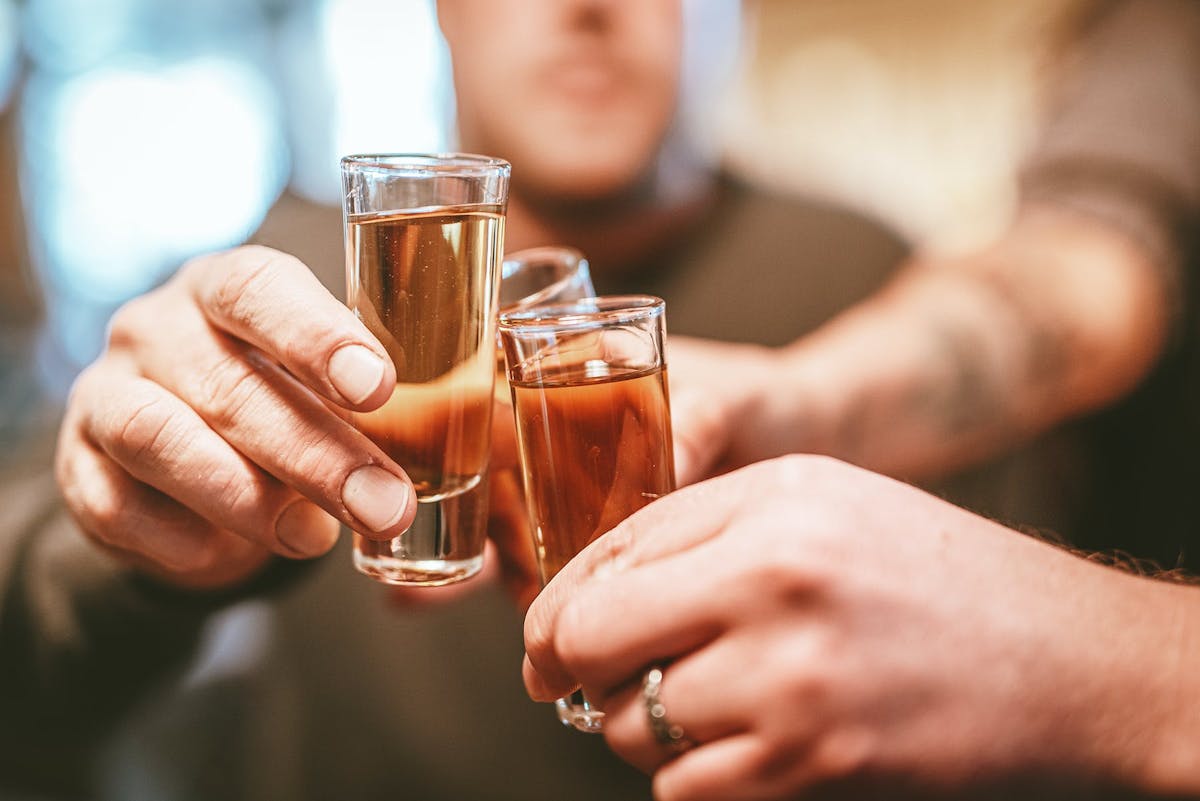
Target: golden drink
424,283
595,446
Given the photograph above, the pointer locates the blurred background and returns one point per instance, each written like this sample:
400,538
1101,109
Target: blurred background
135,134
138,133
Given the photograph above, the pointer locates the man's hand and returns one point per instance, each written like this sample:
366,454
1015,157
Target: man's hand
827,632
212,432
716,389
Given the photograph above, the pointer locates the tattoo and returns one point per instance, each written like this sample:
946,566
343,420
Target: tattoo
971,396
977,397
1048,342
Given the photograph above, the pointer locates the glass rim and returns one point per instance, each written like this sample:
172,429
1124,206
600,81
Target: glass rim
579,264
422,164
582,314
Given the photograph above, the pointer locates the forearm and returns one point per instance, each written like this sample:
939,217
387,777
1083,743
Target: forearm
957,360
1143,737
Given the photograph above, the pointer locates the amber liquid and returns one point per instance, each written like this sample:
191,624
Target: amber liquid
425,283
595,448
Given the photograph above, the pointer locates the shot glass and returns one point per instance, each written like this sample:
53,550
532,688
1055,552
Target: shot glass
589,394
538,277
424,237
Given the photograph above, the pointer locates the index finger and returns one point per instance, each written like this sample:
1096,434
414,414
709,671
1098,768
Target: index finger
273,301
670,525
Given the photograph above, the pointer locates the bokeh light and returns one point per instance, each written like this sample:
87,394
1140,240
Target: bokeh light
138,175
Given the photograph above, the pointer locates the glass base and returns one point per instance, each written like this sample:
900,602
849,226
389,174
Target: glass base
424,573
577,712
443,545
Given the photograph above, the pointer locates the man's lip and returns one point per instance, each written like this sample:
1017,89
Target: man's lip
589,78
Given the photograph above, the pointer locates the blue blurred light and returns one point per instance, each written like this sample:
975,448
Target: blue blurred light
69,35
389,78
144,167
9,49
133,168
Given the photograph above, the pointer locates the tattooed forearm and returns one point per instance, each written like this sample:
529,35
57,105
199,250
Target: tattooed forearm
1000,357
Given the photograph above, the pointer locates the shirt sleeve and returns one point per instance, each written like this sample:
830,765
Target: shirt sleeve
1121,140
83,638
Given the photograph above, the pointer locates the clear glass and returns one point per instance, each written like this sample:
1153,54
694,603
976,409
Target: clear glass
424,234
538,277
589,394
545,275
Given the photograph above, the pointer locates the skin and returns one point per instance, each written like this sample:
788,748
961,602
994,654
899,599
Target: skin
196,449
831,633
580,95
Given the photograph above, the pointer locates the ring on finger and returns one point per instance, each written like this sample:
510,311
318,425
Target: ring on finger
667,734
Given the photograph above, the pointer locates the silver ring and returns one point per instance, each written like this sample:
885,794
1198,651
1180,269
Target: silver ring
667,734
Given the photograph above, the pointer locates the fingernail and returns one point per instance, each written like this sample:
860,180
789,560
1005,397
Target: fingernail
376,497
304,528
355,372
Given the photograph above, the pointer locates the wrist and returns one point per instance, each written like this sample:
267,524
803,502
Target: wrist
787,406
1170,763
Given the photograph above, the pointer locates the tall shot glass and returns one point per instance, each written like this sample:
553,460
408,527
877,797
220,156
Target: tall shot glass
424,237
589,389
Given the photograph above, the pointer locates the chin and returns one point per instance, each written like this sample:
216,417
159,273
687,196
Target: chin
579,178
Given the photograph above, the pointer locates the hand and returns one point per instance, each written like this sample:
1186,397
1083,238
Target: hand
212,433
828,633
716,391
714,386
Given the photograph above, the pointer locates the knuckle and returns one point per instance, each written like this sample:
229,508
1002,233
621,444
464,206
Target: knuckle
138,318
796,469
251,505
82,387
102,514
302,350
784,577
310,351
839,755
122,325
804,667
570,641
196,557
240,292
225,389
538,634
811,475
627,739
612,552
127,322
681,780
317,458
769,760
242,497
785,581
774,761
146,433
